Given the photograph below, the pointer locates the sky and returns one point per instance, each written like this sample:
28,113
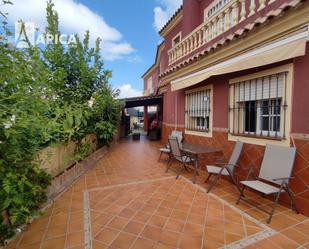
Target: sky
128,29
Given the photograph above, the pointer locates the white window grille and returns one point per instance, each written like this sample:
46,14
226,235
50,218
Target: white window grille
259,106
198,110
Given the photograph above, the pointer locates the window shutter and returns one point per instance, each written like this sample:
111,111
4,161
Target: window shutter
267,87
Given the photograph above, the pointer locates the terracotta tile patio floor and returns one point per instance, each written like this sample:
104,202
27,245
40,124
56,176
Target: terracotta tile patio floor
128,201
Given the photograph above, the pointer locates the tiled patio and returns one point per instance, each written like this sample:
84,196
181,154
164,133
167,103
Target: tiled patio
128,201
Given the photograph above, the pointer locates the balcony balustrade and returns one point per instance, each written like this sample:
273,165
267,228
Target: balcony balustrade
220,16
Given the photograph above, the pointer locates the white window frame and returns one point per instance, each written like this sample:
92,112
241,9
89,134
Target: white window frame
174,38
271,116
205,133
287,93
258,124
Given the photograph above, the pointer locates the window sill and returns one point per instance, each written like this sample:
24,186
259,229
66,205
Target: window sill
199,133
258,140
257,136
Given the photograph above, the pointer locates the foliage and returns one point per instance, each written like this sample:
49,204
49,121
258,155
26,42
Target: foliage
82,150
106,115
53,94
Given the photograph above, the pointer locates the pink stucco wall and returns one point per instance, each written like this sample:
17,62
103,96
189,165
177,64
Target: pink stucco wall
300,110
300,113
155,78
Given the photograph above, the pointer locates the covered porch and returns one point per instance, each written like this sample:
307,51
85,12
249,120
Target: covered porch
145,102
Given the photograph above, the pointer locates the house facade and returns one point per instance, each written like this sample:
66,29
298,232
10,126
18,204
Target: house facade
237,70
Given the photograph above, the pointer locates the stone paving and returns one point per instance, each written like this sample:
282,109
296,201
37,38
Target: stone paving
128,201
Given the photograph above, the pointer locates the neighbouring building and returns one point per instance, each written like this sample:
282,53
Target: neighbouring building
237,69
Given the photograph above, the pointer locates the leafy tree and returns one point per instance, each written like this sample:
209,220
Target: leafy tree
48,95
24,103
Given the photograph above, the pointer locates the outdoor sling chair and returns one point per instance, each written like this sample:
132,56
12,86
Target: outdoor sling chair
177,154
226,169
166,149
276,168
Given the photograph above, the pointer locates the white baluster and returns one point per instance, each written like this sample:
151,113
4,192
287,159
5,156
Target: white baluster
252,7
261,4
188,45
200,37
227,18
243,10
184,47
220,23
214,28
205,34
210,29
235,13
195,40
169,57
191,43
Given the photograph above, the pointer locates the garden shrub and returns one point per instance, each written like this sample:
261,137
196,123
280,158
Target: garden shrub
48,95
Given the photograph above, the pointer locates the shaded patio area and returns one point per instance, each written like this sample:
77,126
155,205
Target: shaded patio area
128,201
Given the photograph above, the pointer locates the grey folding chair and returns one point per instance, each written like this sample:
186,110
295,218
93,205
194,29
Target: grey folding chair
166,149
276,169
177,154
226,169
178,135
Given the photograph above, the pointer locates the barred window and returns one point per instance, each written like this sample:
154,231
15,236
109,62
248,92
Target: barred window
198,110
259,106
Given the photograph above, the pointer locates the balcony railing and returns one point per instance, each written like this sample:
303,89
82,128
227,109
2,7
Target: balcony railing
220,16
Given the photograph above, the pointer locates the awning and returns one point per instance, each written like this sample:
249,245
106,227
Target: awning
281,50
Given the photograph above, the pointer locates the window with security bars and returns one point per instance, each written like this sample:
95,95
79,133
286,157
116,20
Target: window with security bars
259,106
198,110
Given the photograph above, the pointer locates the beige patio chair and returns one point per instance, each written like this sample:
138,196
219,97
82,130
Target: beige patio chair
227,169
177,154
166,149
274,176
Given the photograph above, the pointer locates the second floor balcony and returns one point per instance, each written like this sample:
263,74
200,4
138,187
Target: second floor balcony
219,17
